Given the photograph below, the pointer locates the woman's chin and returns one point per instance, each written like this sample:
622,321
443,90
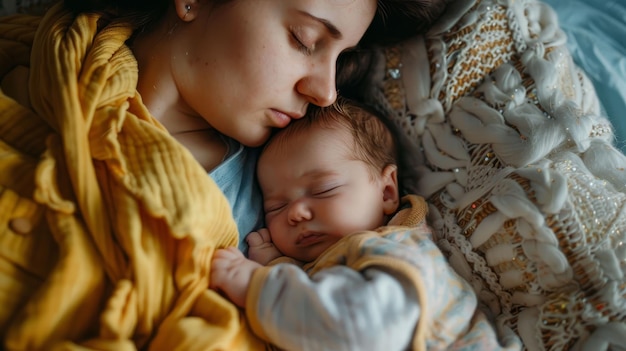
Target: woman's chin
254,143
256,140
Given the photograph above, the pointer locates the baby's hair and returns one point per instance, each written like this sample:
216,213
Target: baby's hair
374,142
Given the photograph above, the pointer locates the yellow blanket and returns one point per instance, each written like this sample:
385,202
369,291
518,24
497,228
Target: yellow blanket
107,224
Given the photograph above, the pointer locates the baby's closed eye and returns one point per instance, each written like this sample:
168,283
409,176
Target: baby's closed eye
274,207
325,191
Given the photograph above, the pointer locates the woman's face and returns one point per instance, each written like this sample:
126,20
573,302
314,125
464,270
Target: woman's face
249,66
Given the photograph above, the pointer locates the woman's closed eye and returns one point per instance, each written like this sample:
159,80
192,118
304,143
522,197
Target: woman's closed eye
300,42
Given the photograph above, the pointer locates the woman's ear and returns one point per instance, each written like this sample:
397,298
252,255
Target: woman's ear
186,9
391,193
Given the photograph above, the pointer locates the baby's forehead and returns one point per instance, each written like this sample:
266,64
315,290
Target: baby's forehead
308,142
296,133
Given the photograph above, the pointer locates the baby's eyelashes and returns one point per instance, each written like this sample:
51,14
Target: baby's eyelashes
325,191
319,192
274,207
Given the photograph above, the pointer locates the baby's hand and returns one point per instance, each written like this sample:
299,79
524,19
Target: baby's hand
231,272
261,249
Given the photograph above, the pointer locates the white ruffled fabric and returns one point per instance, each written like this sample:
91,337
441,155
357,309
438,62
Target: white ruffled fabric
513,152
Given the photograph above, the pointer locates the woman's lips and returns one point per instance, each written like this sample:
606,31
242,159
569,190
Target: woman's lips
281,119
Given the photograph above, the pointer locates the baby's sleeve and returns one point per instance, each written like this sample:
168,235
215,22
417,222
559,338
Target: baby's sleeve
336,309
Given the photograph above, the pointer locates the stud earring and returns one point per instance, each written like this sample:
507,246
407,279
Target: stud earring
187,9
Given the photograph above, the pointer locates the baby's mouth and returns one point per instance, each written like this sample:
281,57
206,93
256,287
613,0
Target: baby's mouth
309,238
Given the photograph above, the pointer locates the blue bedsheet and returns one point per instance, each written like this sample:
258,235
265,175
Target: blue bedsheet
596,31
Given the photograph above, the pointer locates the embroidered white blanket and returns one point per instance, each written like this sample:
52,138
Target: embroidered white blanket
517,161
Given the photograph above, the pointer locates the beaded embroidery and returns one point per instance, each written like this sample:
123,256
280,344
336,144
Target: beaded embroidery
517,202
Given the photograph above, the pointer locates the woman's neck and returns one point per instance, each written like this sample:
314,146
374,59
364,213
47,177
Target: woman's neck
156,83
160,95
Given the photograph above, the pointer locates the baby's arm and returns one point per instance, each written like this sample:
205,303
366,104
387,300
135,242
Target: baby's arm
337,309
260,247
376,308
231,272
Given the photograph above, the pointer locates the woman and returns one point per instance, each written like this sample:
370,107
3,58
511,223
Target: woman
111,115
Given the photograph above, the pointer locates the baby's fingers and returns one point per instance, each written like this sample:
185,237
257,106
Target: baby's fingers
223,260
254,239
259,238
230,252
265,235
220,267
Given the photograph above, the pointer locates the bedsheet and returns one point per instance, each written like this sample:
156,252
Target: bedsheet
596,32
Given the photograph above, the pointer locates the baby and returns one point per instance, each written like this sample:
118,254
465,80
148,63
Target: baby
353,266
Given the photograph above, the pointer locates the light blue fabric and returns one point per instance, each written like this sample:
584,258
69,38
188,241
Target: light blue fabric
236,177
596,31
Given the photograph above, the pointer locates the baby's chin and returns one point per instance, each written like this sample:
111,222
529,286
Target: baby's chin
313,252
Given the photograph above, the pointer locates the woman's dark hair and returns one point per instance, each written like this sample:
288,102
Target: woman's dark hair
394,20
141,13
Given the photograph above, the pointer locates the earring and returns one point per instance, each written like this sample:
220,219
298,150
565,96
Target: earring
187,9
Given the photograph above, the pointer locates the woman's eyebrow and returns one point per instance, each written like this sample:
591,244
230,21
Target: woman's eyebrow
332,29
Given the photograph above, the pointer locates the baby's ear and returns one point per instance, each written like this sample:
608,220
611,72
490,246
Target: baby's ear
389,183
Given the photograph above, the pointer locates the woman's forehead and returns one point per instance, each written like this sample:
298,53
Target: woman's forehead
349,17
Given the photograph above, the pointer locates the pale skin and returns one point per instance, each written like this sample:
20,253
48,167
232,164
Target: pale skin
210,69
315,192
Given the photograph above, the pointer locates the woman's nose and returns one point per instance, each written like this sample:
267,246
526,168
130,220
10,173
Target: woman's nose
298,212
319,86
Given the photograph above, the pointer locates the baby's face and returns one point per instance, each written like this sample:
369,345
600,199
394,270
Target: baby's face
315,193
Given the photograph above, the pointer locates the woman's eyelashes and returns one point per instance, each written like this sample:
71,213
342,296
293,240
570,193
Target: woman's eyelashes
300,43
303,48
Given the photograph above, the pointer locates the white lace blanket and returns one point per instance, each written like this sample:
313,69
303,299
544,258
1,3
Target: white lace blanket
511,149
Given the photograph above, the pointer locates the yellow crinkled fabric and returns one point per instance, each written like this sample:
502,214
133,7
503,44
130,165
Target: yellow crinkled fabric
107,224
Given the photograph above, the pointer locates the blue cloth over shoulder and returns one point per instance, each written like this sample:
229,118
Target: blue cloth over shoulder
236,176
